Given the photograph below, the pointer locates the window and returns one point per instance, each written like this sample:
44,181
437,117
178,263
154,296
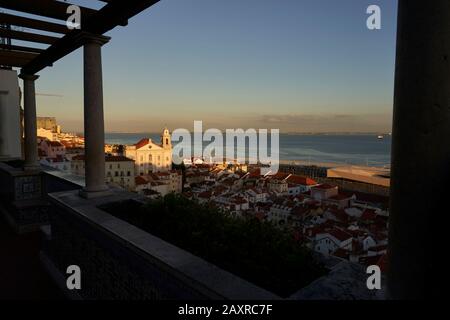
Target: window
116,174
150,158
128,173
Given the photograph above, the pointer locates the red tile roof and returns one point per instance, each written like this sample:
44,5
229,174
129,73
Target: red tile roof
162,174
379,260
108,158
255,173
140,181
205,194
142,143
305,181
341,253
368,215
312,231
339,234
239,200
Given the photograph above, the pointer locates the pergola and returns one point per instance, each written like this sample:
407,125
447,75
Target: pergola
95,22
31,60
420,173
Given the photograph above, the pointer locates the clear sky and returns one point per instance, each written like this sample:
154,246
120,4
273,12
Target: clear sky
296,65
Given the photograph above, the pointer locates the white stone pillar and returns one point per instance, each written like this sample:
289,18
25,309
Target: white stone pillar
31,148
3,126
94,132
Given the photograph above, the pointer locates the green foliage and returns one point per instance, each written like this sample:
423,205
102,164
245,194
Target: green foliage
255,251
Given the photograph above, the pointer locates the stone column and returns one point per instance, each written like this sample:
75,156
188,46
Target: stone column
3,127
31,148
420,146
94,132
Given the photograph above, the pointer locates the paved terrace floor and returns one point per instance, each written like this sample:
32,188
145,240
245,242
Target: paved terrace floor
21,274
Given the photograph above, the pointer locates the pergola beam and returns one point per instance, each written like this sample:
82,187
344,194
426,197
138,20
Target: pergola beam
93,22
19,21
111,15
46,8
26,36
20,48
116,13
15,58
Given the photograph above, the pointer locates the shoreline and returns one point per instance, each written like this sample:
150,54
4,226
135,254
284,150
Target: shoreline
323,164
329,164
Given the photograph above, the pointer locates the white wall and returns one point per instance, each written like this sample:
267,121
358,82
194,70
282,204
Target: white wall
10,82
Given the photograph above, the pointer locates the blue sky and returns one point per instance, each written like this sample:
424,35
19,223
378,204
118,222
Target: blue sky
296,65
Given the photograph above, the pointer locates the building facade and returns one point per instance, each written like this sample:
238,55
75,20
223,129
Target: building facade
119,170
151,157
47,134
48,123
51,149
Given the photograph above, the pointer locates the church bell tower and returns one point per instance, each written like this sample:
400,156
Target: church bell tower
166,140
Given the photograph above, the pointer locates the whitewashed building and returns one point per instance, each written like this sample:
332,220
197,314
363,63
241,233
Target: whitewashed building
151,157
119,170
329,241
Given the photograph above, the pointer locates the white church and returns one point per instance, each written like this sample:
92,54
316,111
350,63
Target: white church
151,157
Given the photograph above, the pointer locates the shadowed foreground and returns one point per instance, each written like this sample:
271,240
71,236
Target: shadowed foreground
21,274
